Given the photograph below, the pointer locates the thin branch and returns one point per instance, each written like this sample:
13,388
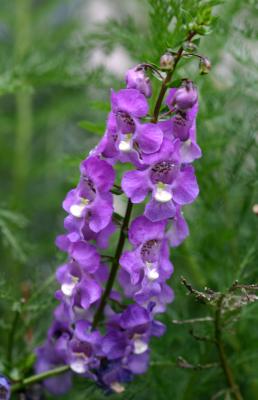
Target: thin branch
11,337
192,321
221,350
201,338
115,266
39,377
182,363
167,80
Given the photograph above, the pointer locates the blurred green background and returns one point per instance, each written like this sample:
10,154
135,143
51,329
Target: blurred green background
58,60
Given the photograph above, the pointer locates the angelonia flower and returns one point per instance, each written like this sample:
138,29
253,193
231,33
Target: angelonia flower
157,162
5,388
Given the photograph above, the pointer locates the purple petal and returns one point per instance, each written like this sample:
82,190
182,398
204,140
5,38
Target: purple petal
138,364
156,211
134,317
186,188
142,230
131,101
149,137
114,344
135,185
131,262
101,212
188,151
99,171
179,230
86,255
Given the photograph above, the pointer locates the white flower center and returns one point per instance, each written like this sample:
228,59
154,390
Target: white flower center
77,209
67,287
117,387
140,346
79,364
151,271
125,144
162,194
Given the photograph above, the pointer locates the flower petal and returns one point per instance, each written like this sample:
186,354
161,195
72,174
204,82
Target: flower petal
135,185
157,211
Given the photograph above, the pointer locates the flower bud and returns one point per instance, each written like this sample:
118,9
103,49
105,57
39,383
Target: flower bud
167,61
186,96
5,391
204,66
189,46
136,79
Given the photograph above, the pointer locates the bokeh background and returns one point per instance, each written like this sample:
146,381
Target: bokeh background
58,60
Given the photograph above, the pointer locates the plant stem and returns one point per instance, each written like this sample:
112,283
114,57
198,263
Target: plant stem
115,265
222,354
39,377
11,338
167,80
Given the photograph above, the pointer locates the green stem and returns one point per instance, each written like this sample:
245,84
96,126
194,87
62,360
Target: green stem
11,338
115,265
222,354
167,80
39,377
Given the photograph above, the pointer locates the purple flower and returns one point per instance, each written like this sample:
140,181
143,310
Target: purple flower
161,154
50,356
76,284
184,97
135,79
126,138
169,183
91,199
5,389
112,376
149,260
79,229
81,357
128,105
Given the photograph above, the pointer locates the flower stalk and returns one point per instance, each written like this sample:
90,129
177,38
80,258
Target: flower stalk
115,265
222,353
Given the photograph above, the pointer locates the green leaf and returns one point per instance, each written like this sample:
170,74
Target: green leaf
92,127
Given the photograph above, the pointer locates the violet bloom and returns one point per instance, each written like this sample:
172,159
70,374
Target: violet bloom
149,259
127,339
136,79
184,97
53,354
5,388
74,283
178,230
91,199
184,102
79,229
126,138
111,377
169,183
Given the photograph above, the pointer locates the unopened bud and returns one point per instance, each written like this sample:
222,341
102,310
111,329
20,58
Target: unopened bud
189,46
135,79
167,61
204,66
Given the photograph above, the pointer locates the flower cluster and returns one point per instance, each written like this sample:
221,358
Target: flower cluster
160,153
